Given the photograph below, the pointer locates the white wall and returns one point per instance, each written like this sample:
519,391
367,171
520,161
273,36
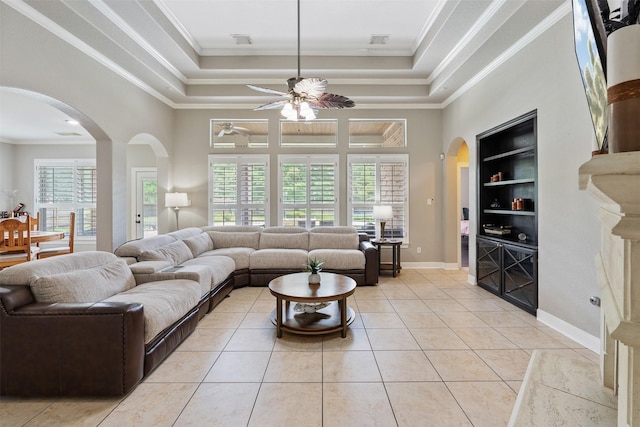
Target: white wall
6,175
545,76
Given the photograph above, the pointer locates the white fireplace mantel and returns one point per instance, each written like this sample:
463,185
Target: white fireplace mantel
614,181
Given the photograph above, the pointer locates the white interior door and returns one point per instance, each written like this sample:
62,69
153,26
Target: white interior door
145,203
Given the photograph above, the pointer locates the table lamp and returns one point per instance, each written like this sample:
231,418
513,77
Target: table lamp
176,201
382,213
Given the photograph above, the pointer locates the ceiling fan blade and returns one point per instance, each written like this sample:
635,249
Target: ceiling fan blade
267,90
312,87
330,100
221,133
275,104
239,128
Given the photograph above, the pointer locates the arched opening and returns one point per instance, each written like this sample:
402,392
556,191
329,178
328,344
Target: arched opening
458,222
23,172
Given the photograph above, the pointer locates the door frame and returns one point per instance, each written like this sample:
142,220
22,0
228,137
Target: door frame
136,174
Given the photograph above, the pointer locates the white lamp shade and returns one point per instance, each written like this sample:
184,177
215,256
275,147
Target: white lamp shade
176,200
382,212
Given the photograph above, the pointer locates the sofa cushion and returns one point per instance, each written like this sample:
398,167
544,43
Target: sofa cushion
88,285
221,267
223,239
342,229
176,252
135,248
148,267
240,256
333,241
199,244
295,259
164,302
28,272
284,240
185,233
233,228
344,259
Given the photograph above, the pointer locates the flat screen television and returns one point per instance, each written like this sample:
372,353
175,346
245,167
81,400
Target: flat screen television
590,46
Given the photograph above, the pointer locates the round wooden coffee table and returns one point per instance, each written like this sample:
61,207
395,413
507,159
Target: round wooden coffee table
333,289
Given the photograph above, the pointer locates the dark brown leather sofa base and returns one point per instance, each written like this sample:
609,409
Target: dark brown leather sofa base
78,349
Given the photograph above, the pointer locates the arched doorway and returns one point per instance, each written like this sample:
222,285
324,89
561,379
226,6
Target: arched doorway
458,224
105,234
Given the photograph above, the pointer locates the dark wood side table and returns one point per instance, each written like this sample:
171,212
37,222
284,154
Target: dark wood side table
394,266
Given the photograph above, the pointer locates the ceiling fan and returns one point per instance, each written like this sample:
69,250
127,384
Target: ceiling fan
227,128
305,96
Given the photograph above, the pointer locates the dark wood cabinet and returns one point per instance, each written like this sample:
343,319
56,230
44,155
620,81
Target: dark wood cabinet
507,211
509,271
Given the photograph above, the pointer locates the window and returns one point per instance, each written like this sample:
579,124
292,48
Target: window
227,133
239,190
65,186
385,133
379,180
308,190
316,133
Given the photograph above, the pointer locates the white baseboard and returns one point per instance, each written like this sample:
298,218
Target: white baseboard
424,265
567,329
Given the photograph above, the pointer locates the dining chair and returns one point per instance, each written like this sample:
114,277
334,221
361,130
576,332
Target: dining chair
15,242
61,250
35,222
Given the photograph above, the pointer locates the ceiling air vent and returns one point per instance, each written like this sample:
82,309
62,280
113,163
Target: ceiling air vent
68,134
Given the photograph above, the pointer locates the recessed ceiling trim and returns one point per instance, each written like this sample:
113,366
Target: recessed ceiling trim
360,106
427,26
343,81
535,32
63,34
137,38
484,19
176,23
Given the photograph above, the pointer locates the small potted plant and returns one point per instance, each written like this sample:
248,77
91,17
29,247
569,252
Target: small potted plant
314,267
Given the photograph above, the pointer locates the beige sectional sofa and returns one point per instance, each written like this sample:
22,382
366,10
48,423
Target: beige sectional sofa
80,324
254,255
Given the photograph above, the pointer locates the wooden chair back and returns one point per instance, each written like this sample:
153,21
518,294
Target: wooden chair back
15,242
54,251
35,222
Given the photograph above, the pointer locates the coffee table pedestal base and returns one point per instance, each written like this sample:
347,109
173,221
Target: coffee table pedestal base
324,321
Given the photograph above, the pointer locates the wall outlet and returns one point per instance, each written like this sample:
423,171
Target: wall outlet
419,250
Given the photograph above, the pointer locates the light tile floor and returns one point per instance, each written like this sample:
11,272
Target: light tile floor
426,349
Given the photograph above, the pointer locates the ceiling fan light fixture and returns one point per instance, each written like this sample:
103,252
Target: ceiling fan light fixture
306,111
305,96
289,112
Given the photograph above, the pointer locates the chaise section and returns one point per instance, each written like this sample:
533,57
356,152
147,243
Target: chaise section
79,325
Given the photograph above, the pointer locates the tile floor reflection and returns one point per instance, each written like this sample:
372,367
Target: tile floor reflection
426,349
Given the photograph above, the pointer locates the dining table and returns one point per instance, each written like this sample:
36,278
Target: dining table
44,236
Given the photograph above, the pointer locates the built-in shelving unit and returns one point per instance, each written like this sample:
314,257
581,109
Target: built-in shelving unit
507,171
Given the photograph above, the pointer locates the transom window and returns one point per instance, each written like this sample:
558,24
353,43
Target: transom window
65,186
239,190
316,133
308,188
228,133
378,180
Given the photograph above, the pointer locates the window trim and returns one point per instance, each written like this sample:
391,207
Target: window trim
379,158
74,163
308,160
239,160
